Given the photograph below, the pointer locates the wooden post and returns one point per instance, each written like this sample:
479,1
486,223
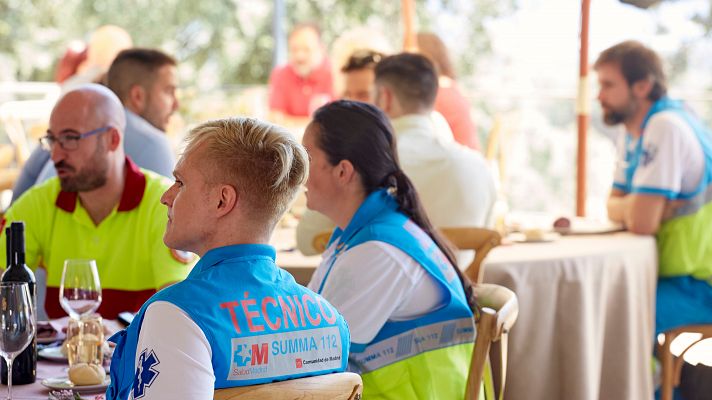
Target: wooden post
582,112
410,42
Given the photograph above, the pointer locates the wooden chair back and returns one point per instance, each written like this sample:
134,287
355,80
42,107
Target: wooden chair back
671,365
480,240
498,313
339,386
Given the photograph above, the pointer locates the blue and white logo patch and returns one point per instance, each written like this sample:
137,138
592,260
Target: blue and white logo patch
649,154
145,373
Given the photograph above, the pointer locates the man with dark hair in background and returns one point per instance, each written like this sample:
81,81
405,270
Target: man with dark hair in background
145,81
454,182
359,75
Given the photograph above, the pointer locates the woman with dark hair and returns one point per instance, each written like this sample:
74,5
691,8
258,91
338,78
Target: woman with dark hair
386,269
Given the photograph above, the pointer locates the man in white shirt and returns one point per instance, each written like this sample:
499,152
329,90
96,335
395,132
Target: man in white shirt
454,183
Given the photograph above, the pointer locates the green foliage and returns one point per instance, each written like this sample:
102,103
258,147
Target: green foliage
222,41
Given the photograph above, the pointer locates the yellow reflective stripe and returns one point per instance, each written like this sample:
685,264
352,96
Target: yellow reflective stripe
683,245
437,374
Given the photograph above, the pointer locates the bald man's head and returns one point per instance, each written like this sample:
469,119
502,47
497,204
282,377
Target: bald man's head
86,128
94,102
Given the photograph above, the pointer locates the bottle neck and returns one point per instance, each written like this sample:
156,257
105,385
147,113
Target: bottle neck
18,243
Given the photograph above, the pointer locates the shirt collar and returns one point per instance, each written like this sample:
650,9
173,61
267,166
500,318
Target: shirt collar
663,104
134,187
219,254
139,123
412,123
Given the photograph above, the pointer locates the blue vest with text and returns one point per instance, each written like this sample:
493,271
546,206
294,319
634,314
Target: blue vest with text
261,325
683,239
378,219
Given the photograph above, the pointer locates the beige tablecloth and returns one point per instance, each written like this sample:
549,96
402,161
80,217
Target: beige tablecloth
585,326
35,391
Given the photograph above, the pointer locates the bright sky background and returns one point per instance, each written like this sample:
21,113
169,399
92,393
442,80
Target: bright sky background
532,78
542,37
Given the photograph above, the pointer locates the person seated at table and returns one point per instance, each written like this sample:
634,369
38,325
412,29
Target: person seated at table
99,206
359,77
455,184
662,179
304,83
74,69
237,319
386,269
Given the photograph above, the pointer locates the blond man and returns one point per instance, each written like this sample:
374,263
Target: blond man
237,319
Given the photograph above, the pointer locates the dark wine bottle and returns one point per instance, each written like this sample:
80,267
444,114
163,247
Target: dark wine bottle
24,368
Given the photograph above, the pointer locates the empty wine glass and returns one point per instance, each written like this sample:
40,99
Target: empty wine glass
17,323
80,290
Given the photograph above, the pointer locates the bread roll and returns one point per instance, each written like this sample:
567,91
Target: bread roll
87,374
535,234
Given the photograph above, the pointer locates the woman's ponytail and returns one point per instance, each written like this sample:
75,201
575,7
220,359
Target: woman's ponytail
409,202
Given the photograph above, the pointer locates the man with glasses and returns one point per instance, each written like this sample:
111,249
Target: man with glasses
145,80
100,206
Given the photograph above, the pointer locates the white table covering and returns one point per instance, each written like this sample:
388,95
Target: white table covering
586,318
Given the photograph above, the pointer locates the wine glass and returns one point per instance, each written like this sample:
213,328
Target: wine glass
17,323
80,290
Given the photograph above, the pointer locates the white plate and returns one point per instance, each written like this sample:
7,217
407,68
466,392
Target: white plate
584,226
51,339
63,383
55,353
52,354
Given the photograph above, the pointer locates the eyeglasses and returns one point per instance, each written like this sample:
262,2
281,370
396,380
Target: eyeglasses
361,59
68,141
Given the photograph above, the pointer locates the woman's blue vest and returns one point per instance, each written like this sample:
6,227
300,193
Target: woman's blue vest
378,219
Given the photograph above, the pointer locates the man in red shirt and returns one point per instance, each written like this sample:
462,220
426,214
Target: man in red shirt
305,83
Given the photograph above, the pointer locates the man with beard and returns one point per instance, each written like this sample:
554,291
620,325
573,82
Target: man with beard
100,206
662,179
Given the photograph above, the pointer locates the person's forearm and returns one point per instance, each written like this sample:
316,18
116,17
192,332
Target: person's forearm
639,214
617,208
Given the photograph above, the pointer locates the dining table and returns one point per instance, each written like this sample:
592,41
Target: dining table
53,368
35,391
586,312
586,316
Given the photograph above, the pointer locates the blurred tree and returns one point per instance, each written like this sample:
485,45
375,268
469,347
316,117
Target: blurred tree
219,42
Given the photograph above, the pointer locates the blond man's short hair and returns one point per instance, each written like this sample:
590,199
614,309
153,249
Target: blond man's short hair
263,162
